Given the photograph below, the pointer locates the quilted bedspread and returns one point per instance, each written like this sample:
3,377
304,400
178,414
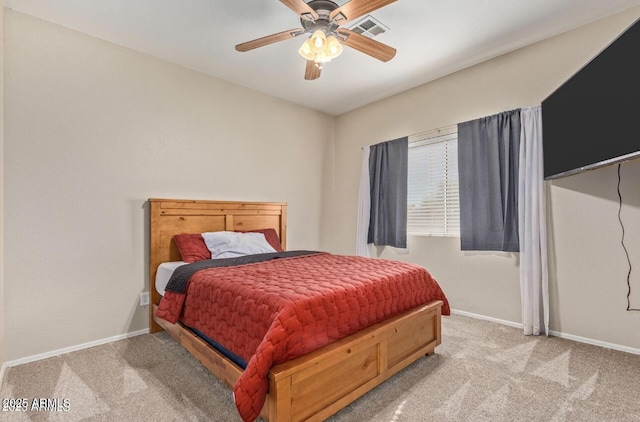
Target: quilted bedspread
274,311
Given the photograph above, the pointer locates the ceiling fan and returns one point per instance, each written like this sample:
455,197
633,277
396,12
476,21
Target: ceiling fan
322,19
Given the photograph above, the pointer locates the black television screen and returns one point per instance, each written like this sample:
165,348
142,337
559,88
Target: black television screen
593,119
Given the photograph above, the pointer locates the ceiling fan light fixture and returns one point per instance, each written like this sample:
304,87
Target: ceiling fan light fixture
320,48
305,50
322,58
318,41
334,47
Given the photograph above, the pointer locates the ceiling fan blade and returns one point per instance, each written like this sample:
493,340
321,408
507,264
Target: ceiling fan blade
312,71
300,7
356,8
366,45
269,39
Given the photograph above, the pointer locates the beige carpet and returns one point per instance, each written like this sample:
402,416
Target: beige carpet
482,372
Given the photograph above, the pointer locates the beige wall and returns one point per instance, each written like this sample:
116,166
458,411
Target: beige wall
92,131
2,318
588,275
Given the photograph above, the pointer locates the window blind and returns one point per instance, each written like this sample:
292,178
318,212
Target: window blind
432,199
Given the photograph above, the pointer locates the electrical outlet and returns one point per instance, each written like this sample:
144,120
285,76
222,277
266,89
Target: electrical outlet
144,299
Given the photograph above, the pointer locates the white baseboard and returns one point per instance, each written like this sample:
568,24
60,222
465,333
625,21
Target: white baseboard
593,342
486,318
559,334
73,348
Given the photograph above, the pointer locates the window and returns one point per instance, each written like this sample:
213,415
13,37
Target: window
433,204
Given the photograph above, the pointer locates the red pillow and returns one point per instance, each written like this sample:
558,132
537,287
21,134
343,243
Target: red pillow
192,247
270,235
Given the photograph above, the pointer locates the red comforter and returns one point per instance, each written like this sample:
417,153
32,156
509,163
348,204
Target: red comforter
274,311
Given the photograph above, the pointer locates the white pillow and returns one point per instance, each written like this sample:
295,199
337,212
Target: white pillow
233,244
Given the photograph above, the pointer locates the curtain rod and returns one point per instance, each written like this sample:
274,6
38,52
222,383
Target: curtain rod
444,130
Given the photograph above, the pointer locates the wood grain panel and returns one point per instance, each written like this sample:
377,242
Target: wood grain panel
408,337
312,394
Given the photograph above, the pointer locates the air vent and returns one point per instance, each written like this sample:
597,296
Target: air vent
369,27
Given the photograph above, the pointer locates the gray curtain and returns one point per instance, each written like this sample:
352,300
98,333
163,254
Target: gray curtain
388,183
488,156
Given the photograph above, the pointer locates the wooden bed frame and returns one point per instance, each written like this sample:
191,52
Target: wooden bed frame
314,386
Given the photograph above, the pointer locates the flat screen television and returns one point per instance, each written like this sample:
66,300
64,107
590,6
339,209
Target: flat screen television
593,119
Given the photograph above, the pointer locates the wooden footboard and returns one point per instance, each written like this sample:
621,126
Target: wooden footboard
319,384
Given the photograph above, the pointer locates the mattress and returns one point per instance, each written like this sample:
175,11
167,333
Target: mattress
164,273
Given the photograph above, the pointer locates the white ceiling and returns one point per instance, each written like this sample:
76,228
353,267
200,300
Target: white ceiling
432,38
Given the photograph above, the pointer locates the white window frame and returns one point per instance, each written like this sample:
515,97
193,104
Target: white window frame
448,211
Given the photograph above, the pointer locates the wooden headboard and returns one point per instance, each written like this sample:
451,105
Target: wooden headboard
174,216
